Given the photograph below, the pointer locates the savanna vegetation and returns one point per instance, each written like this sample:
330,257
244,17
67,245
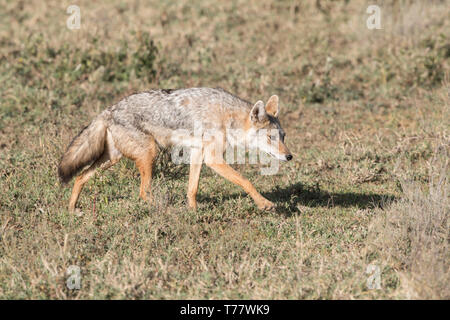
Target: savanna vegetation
366,114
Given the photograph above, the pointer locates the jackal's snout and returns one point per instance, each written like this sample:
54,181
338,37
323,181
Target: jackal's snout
287,155
283,151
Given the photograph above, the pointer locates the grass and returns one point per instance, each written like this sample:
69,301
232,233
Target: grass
366,115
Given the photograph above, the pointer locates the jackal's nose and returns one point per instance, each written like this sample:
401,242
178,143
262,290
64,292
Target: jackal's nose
289,157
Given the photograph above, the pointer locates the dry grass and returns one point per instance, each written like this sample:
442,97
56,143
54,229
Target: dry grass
366,114
412,234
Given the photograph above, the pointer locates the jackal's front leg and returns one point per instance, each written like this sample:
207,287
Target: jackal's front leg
232,175
194,175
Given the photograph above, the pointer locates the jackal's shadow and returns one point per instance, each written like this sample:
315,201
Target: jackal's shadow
289,198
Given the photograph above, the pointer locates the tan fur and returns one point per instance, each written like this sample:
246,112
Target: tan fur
232,175
194,176
185,102
145,166
83,150
140,124
282,148
272,106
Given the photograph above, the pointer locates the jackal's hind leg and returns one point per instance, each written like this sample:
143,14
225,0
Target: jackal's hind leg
104,162
145,165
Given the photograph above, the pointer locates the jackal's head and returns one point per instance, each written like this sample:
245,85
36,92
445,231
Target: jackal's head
265,131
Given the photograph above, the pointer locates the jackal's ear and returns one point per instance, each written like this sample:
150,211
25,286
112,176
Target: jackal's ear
272,106
258,113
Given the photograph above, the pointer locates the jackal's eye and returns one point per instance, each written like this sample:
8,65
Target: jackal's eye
273,137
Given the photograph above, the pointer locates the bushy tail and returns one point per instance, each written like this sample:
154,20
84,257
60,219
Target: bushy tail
84,149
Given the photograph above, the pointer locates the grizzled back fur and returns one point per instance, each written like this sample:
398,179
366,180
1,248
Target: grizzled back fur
173,109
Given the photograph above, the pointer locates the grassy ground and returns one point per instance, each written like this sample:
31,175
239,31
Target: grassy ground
366,115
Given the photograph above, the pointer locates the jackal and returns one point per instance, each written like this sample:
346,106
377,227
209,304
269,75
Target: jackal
138,126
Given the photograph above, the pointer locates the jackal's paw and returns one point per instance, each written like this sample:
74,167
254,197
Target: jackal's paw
78,212
192,205
266,205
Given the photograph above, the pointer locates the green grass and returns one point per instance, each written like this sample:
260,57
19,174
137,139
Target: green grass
366,115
